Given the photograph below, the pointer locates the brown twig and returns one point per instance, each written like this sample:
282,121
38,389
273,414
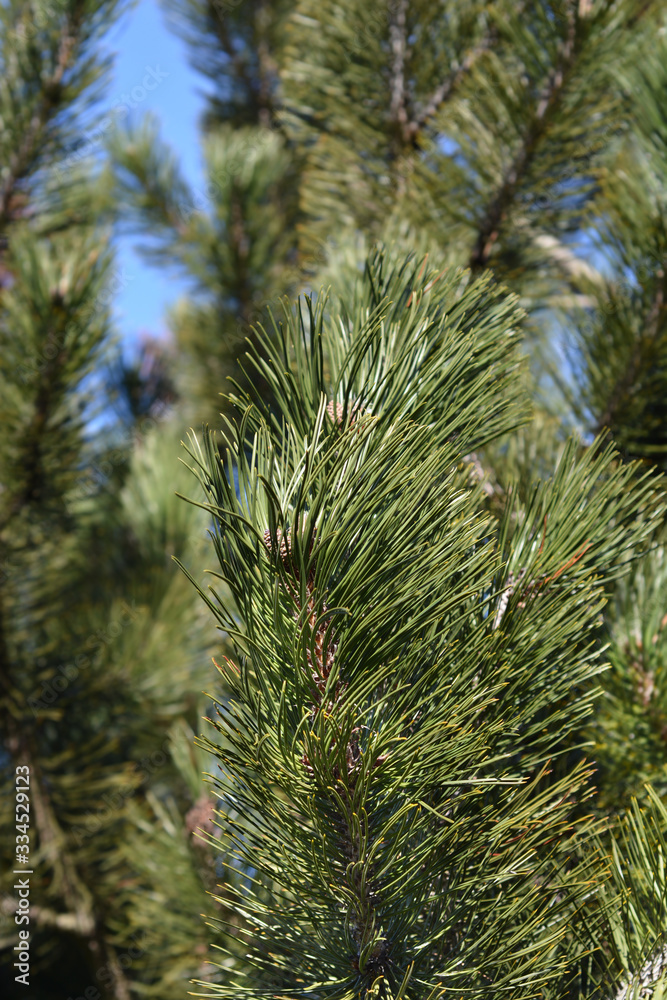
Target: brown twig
52,89
445,90
534,586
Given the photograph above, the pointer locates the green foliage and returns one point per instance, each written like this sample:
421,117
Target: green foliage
237,47
619,349
483,124
637,896
438,754
392,719
234,239
631,723
100,636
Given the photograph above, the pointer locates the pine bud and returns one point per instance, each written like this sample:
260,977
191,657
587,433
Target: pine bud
336,412
283,543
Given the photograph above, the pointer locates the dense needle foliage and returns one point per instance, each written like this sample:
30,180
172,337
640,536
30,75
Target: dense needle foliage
434,235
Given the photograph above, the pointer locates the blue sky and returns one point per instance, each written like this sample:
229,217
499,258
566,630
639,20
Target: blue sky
142,42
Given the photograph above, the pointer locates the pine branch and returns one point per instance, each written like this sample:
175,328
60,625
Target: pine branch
53,843
239,64
70,334
33,443
640,985
446,89
80,918
240,247
257,87
548,103
625,382
266,68
397,34
52,95
365,722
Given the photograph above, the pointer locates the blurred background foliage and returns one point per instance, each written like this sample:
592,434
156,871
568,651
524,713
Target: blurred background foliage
525,138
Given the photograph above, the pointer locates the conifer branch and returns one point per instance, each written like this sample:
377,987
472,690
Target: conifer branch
397,34
446,89
79,917
368,963
240,248
33,477
645,343
535,586
239,64
258,89
52,95
266,67
547,105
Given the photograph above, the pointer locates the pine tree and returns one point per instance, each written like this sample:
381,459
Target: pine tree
435,503
516,138
100,638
